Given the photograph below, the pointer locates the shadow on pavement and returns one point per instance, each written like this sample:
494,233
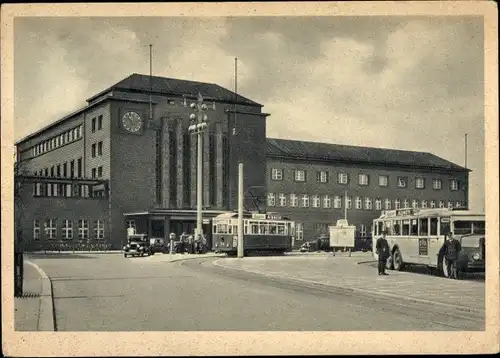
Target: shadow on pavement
59,256
424,270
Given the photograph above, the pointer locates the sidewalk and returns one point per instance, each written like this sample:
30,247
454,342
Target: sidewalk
33,311
345,273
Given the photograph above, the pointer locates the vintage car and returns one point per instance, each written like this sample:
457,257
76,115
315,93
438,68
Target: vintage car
157,244
138,245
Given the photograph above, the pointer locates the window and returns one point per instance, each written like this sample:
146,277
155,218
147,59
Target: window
432,204
99,122
368,204
406,204
299,231
359,203
414,227
450,205
93,124
52,171
130,224
294,200
362,230
58,170
50,228
378,204
37,189
305,201
349,202
458,204
337,202
363,179
282,199
316,202
79,167
65,170
444,226
276,174
299,175
387,204
424,204
420,183
72,169
342,178
322,177
57,142
67,229
433,227
414,203
271,199
436,184
36,229
453,185
94,173
99,149
402,182
62,138
67,190
327,201
98,229
99,172
83,229
397,204
441,204
67,137
423,227
46,172
93,150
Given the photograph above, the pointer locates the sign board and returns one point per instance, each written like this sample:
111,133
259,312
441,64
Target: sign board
259,216
342,236
235,241
423,247
274,216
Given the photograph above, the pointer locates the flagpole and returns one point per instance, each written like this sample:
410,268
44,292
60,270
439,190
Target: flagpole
150,83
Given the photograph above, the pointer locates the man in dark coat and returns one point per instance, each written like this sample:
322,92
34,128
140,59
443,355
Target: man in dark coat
452,250
382,249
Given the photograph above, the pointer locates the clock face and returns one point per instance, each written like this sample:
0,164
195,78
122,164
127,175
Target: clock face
132,122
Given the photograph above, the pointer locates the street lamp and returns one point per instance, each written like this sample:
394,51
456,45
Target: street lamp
197,127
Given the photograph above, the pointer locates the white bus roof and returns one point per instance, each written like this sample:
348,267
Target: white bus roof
415,212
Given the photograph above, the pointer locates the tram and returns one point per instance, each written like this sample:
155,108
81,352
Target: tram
263,233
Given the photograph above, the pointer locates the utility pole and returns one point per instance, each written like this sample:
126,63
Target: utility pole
240,211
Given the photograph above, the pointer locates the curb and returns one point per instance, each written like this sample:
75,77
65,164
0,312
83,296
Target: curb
366,292
46,320
192,258
72,252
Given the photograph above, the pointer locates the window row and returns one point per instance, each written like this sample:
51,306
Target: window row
300,175
65,170
68,229
428,227
58,141
97,149
97,123
97,172
367,203
67,190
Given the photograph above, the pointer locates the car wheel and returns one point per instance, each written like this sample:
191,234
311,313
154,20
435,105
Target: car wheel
397,260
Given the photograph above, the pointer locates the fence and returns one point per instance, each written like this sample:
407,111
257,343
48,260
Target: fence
70,245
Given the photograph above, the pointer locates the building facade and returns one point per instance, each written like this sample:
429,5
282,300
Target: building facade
128,153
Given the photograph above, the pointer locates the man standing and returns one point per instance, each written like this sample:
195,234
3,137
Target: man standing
452,249
382,249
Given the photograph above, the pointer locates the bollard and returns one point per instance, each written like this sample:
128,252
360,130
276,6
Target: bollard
349,252
171,247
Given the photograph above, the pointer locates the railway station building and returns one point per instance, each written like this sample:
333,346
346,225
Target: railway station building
127,159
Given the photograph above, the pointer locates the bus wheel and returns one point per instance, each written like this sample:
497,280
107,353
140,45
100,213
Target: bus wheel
397,260
444,267
389,264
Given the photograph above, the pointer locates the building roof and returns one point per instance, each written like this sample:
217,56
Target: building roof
172,86
293,149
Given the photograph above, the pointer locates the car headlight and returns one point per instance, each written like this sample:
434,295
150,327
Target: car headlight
476,256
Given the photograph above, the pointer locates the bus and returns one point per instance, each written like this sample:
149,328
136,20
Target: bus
262,233
416,236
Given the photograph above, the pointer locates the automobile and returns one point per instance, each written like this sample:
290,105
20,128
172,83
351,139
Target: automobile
308,246
138,245
157,244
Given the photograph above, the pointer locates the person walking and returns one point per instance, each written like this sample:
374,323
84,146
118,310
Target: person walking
183,242
190,243
452,250
382,249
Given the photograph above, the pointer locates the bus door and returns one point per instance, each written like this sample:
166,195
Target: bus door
437,227
423,240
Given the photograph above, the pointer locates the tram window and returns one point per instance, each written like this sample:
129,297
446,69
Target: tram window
414,227
406,227
434,226
424,227
245,228
254,228
281,228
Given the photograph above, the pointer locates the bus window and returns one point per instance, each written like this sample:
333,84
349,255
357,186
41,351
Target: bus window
380,226
424,227
478,227
414,227
434,226
444,227
397,227
406,227
388,227
462,227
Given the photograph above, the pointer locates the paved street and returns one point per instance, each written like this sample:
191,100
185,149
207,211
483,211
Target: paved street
110,293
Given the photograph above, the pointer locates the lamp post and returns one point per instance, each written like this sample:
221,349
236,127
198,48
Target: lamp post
197,127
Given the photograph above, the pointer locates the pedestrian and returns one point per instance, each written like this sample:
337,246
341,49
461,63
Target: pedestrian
183,243
190,242
452,250
203,244
197,244
382,249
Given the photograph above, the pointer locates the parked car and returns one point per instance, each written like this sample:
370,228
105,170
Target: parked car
138,245
157,244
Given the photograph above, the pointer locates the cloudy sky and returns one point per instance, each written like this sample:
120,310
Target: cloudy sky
411,83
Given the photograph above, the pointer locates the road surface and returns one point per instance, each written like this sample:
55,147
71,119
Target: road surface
111,293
